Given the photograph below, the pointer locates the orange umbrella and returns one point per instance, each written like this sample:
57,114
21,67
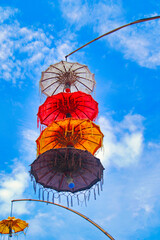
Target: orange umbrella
82,134
12,225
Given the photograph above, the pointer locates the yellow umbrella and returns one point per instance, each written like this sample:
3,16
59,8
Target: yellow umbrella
12,225
81,134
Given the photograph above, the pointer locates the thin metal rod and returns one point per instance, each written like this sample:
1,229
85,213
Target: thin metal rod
11,209
80,214
112,31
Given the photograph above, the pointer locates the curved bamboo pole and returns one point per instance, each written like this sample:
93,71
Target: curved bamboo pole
112,31
80,214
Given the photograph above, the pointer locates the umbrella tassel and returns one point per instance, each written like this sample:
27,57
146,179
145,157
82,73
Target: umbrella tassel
94,194
59,198
53,197
98,189
39,194
101,185
71,202
67,202
78,200
72,130
43,195
34,186
85,200
89,194
48,196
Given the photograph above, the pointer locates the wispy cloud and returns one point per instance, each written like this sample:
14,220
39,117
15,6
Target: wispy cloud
123,141
139,43
13,186
25,51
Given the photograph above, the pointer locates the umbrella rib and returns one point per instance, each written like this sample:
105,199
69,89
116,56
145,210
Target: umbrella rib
71,67
58,126
89,171
49,79
49,113
45,175
80,124
53,73
16,225
83,178
83,113
50,143
83,84
57,115
76,115
82,146
51,178
56,89
86,79
90,141
75,87
86,106
60,184
57,69
64,66
5,227
49,86
79,68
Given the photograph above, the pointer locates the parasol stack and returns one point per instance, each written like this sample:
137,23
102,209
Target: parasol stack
66,164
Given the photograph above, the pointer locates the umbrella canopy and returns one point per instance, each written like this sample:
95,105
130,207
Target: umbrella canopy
56,168
77,105
82,134
66,75
12,225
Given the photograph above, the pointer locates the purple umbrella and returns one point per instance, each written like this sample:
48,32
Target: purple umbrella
67,170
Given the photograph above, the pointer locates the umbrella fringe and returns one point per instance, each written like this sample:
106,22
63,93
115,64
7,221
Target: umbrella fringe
89,194
34,186
43,195
94,193
39,193
98,189
48,196
67,201
78,200
101,183
85,200
59,198
53,197
71,202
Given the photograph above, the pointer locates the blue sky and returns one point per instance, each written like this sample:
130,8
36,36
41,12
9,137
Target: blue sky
35,34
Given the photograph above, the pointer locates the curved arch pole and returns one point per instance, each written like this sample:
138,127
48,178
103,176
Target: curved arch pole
112,31
80,214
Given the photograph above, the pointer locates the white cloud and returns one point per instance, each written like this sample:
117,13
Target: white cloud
25,51
28,147
6,12
12,186
139,43
123,141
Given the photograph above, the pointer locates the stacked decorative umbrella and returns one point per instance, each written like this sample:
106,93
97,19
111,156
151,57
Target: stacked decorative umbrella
66,164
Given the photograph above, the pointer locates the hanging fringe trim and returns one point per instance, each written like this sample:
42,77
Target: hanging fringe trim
81,197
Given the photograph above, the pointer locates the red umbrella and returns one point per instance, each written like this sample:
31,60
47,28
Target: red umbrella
77,105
